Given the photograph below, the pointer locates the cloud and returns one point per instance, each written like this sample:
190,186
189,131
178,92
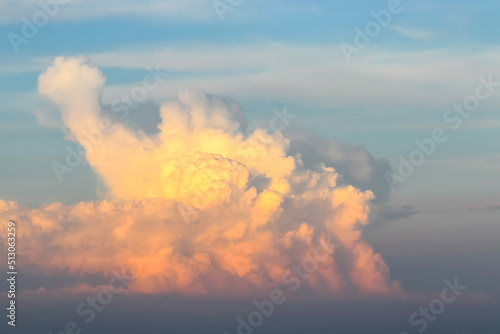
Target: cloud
192,10
141,117
488,206
48,118
473,207
200,207
354,163
483,124
412,33
485,163
315,75
388,213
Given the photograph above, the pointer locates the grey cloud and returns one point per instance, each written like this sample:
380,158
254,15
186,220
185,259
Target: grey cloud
353,162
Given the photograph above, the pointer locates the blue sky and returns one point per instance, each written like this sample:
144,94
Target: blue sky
272,54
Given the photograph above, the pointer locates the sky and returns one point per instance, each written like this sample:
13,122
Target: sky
334,161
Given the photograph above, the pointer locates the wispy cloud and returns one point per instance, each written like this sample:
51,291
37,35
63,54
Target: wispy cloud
192,10
489,162
412,33
484,124
312,73
387,213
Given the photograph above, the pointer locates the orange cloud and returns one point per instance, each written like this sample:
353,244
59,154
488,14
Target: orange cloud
183,211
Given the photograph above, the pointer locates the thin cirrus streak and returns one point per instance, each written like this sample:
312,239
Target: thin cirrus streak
258,209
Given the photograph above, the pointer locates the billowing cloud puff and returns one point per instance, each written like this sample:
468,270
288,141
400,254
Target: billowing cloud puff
200,207
354,163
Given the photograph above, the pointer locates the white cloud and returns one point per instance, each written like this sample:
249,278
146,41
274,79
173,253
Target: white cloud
412,33
48,118
195,10
302,73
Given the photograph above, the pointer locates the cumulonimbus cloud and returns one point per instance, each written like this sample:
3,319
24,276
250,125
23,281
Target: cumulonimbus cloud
201,207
